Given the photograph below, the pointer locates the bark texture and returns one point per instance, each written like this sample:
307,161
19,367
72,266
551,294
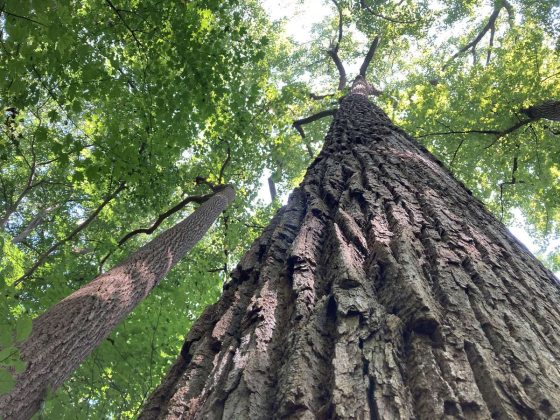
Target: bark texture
65,335
549,110
383,290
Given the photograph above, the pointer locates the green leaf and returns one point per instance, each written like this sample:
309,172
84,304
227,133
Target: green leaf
5,335
7,382
8,355
23,328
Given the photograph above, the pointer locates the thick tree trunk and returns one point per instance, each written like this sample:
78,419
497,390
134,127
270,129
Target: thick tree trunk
64,335
382,290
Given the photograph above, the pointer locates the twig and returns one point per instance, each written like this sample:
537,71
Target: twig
443,133
298,123
512,182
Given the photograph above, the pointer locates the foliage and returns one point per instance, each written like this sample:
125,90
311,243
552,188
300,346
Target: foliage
117,107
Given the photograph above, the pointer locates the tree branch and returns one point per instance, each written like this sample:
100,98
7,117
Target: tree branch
224,165
443,133
549,110
490,44
28,187
298,123
199,199
369,56
71,235
340,67
22,17
118,12
490,26
333,51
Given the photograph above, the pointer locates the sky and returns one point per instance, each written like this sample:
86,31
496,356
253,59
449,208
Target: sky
300,17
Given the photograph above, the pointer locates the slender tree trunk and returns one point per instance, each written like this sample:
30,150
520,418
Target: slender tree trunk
37,220
382,290
272,188
64,335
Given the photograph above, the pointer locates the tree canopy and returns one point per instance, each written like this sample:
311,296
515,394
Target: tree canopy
115,112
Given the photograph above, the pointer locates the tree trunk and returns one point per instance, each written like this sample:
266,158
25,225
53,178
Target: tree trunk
382,290
272,188
36,221
64,335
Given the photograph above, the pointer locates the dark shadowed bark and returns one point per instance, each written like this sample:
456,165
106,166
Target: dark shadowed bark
549,110
382,290
64,335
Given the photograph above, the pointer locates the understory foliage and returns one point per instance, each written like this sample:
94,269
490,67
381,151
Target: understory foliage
112,109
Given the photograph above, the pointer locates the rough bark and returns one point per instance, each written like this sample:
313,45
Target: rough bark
549,110
64,335
382,290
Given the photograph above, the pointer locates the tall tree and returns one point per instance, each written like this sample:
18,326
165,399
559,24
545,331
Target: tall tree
66,334
152,94
382,290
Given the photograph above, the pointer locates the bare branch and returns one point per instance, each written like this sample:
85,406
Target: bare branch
340,67
337,45
298,123
319,97
199,199
498,134
369,56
